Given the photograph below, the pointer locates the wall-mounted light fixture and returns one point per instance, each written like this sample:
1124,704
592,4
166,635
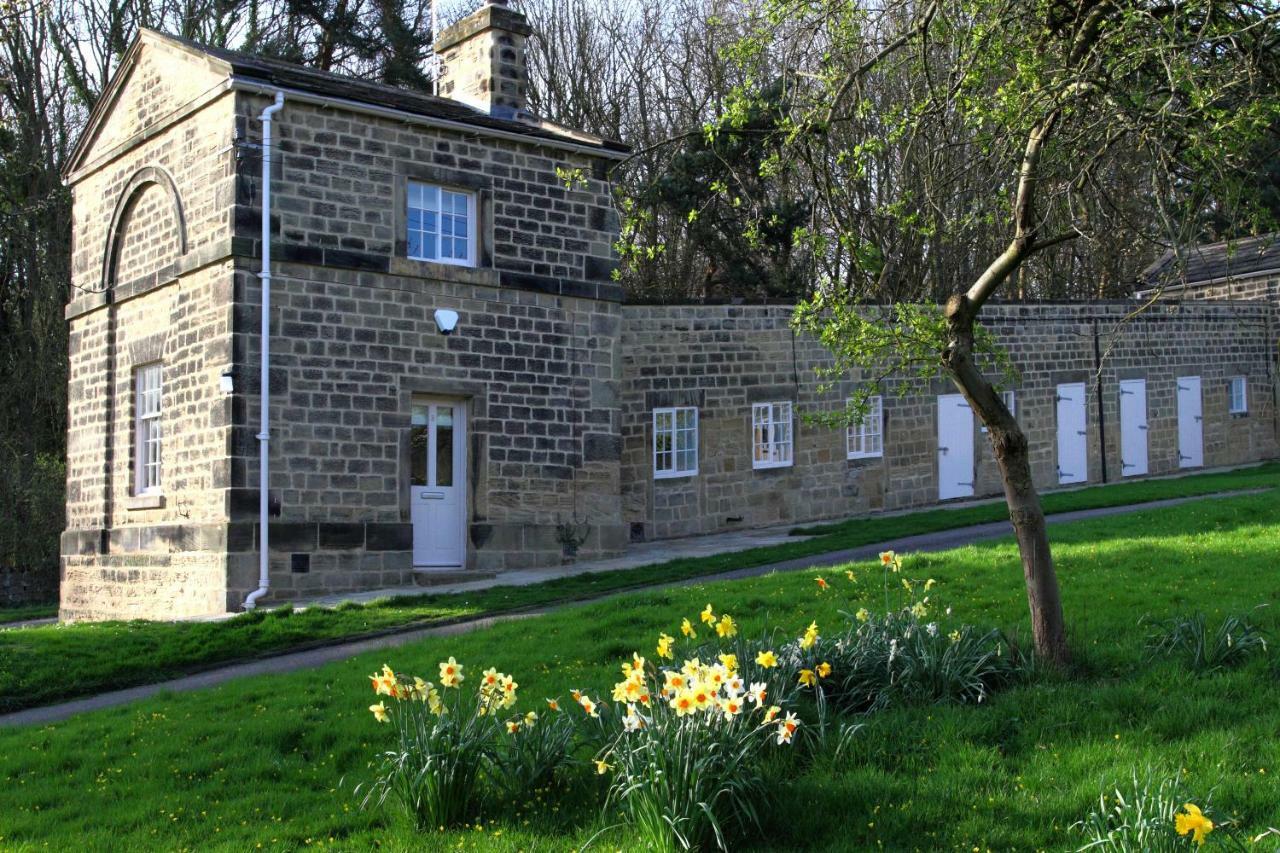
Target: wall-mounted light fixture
227,381
446,320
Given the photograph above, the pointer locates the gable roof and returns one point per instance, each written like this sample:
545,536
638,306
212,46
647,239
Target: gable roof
1208,262
243,68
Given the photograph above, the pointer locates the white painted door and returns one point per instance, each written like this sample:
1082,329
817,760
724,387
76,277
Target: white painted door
1073,453
1190,423
1133,427
955,447
437,456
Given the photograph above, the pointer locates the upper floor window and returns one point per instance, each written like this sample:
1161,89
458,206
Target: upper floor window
1239,395
675,442
148,392
440,225
771,435
866,438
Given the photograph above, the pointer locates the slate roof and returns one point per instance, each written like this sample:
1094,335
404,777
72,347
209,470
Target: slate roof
1213,261
286,75
290,76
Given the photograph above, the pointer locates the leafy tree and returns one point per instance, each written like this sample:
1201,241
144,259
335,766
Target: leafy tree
1057,112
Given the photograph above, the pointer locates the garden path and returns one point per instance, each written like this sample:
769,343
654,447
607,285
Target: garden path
314,657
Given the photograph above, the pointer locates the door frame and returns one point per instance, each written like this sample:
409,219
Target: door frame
461,461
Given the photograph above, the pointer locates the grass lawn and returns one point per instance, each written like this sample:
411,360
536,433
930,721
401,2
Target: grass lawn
41,665
271,761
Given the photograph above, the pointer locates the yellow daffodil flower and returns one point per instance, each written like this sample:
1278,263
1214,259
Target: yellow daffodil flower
954,636
810,636
684,703
707,616
513,726
726,627
451,673
602,767
553,704
686,628
919,609
1193,821
824,670
767,659
808,678
379,712
730,662
771,714
664,646
862,615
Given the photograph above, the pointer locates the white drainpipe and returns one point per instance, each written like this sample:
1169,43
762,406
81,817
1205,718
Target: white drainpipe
264,380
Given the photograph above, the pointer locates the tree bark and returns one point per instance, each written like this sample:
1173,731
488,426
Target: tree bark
1009,443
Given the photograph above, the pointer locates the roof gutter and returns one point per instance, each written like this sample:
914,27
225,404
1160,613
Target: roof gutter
248,85
264,379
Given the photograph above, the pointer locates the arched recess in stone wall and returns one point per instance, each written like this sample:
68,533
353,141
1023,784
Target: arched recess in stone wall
141,181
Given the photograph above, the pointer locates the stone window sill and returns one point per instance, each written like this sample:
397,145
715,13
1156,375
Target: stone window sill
448,272
153,500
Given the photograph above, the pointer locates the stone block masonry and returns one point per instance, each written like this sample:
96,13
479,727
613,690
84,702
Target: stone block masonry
554,379
723,359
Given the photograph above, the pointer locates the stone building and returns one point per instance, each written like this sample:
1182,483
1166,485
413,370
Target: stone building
554,417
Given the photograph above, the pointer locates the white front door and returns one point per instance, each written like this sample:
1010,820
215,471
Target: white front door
1190,423
437,456
1133,427
1073,453
955,447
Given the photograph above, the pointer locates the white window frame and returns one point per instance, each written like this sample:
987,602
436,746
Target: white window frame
415,190
1010,402
666,422
1241,383
148,429
859,435
772,435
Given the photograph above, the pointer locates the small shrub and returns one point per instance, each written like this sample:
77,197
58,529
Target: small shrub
534,751
443,740
687,764
1189,638
1153,816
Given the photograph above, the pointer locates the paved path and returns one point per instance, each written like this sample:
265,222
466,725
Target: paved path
288,662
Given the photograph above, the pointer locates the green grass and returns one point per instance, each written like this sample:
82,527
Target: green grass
27,611
272,760
40,665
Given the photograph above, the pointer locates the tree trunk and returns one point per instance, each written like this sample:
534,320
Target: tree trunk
1009,443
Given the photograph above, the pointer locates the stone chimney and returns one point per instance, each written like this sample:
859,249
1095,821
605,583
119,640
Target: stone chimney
482,60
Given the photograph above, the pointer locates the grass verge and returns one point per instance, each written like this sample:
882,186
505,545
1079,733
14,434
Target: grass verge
24,612
45,664
272,760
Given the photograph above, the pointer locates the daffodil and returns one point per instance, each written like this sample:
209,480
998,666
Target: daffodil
823,670
822,583
787,728
730,662
954,636
771,714
734,686
808,678
683,703
726,627
731,707
928,585
757,693
862,615
531,718
686,628
920,608
379,712
451,673
707,616
602,767
1193,821
810,636
767,659
588,706
849,574
886,557
553,704
664,646
513,726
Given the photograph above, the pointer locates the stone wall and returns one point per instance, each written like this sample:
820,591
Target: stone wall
724,358
152,230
